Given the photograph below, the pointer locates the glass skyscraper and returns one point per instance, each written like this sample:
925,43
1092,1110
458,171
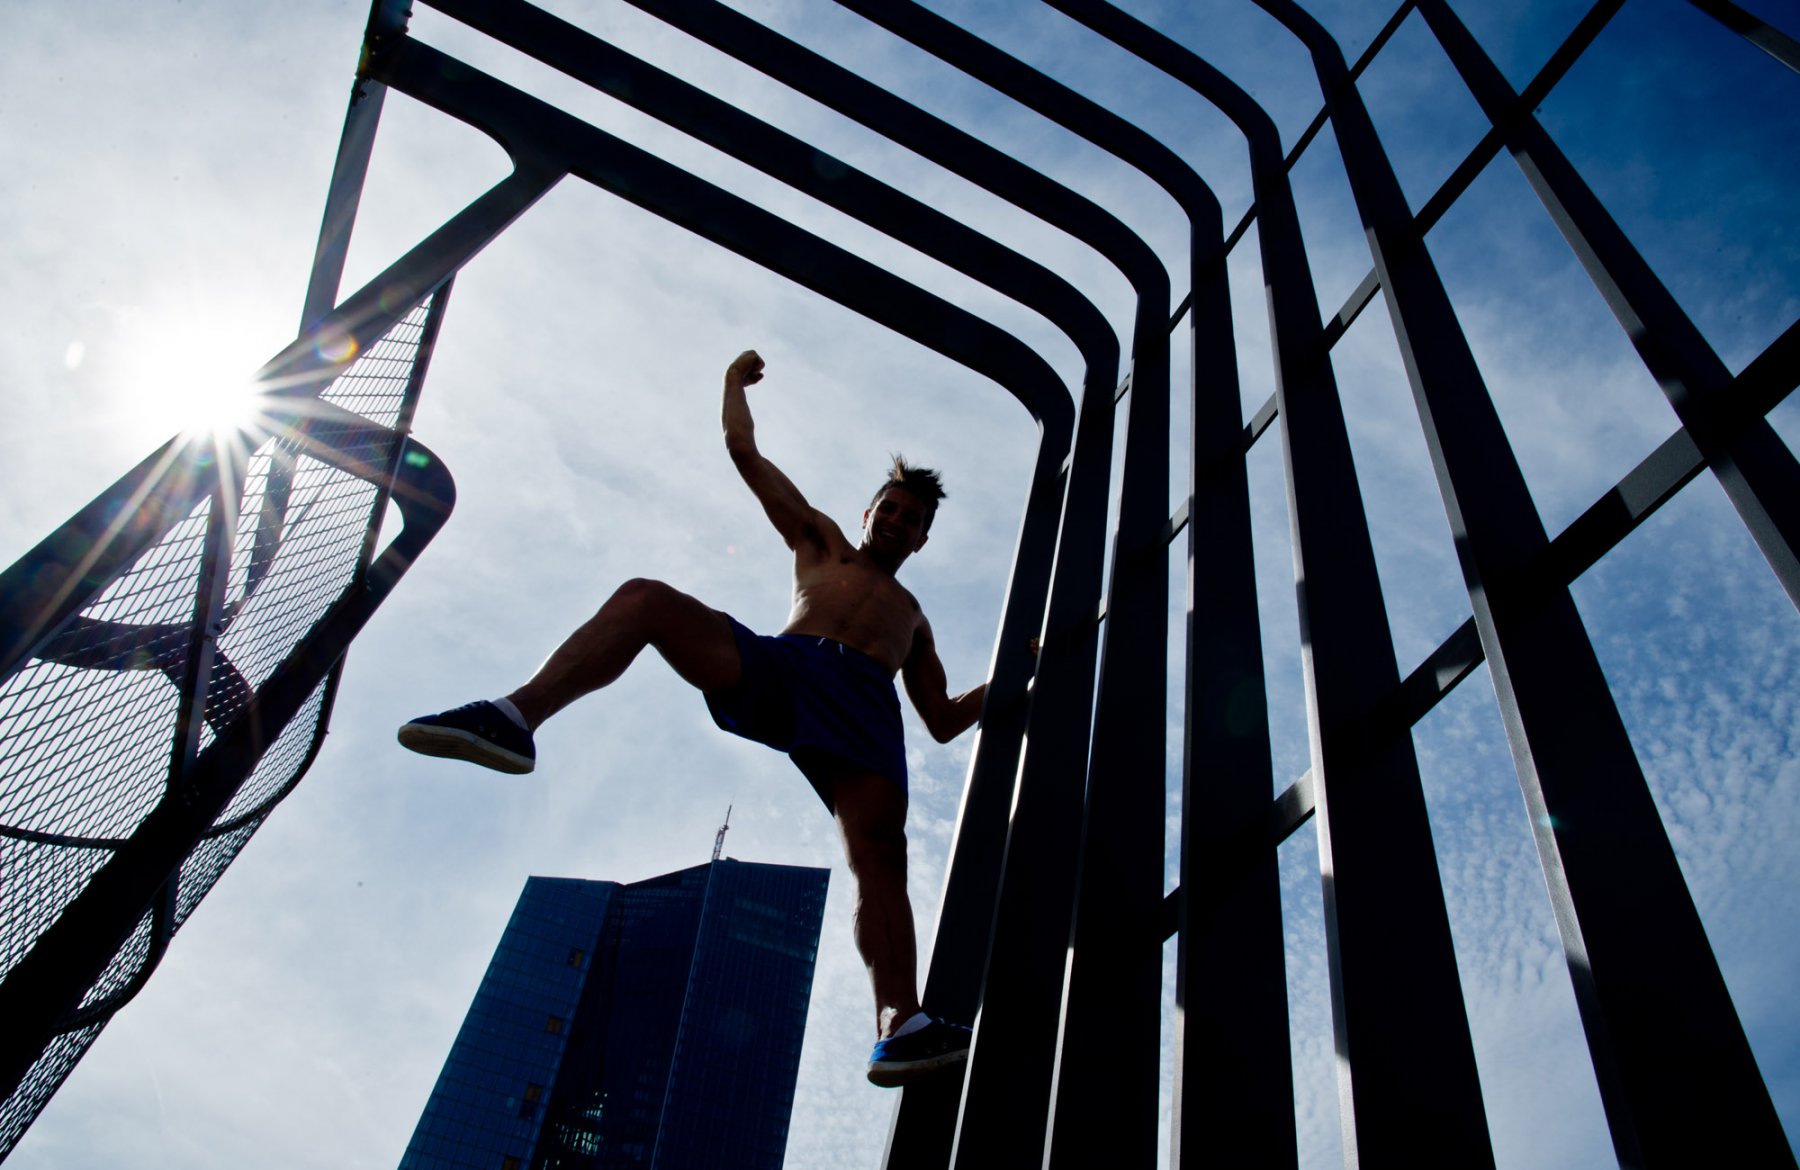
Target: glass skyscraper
653,1025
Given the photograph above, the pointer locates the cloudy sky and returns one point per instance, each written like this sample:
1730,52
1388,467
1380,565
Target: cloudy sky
167,164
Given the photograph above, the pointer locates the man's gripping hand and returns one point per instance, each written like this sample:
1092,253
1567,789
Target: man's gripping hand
745,369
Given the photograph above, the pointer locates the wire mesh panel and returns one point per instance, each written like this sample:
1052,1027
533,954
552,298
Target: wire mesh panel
91,742
97,698
41,1079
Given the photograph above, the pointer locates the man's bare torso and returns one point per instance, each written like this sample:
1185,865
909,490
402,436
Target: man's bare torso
842,593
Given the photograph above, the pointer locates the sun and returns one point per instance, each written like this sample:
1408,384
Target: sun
199,389
187,373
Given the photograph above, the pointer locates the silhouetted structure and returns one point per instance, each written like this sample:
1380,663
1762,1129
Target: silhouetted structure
654,1025
1054,910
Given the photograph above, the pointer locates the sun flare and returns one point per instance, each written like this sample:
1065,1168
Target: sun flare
188,374
201,396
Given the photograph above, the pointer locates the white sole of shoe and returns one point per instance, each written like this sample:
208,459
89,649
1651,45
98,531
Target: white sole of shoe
453,744
892,1074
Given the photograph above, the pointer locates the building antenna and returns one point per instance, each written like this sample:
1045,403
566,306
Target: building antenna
719,841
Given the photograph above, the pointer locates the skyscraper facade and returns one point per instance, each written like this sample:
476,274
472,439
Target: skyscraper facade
654,1025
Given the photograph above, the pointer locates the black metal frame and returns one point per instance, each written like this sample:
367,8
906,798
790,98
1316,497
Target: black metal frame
1054,909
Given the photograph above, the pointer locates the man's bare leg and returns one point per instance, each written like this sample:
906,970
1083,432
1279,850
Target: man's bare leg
695,639
871,816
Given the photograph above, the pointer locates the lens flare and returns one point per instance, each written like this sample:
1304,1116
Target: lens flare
335,347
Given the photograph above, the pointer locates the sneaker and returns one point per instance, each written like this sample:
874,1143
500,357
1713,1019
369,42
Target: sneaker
899,1059
478,732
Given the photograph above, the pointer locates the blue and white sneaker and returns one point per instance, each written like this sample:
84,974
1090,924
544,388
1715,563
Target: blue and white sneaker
900,1059
478,732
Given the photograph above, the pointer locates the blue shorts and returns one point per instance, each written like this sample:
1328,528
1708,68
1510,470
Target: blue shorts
819,701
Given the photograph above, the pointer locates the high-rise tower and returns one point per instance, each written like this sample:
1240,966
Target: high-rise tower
655,1024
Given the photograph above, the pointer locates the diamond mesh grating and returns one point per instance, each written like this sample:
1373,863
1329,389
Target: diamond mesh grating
88,726
101,706
327,516
18,1111
70,725
375,384
281,763
39,880
206,863
125,965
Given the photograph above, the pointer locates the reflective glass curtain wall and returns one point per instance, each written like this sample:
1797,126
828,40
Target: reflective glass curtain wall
656,1024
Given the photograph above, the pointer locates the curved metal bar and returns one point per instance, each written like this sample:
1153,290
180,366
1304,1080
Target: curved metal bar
719,124
799,164
604,67
554,141
717,224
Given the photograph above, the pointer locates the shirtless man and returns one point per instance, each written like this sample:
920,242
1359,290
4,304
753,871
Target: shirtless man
822,691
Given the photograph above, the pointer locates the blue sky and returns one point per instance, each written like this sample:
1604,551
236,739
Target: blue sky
169,164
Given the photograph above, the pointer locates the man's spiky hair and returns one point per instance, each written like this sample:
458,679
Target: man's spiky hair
922,482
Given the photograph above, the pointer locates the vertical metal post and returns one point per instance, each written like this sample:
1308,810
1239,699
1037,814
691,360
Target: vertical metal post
1112,986
1407,1066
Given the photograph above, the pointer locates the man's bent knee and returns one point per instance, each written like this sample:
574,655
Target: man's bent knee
656,607
695,639
642,593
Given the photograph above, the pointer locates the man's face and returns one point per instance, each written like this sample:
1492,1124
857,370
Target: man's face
894,524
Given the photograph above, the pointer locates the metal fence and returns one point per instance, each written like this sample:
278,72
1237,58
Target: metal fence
1059,963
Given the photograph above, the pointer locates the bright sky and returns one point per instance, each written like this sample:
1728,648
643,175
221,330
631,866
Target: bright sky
167,167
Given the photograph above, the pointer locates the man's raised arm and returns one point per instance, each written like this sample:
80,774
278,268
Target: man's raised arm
787,509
